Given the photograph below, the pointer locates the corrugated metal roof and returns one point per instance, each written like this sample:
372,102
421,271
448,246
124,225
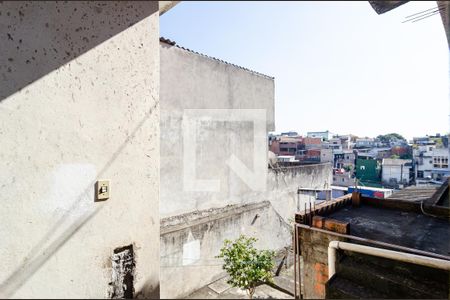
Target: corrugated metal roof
414,193
173,43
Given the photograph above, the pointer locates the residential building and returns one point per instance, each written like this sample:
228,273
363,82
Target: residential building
289,133
326,155
310,156
335,144
364,143
324,135
312,143
343,179
287,159
346,141
284,145
346,159
430,160
396,171
440,168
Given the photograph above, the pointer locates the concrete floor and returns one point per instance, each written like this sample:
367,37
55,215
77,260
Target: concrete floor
220,289
407,229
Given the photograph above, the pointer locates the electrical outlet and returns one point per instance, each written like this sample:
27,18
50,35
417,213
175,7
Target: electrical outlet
102,190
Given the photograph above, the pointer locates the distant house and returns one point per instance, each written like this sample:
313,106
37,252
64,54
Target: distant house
326,155
287,159
324,135
396,171
287,145
312,143
440,163
364,143
289,133
430,162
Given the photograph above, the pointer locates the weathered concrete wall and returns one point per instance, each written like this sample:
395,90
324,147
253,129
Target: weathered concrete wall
193,81
79,84
284,183
191,242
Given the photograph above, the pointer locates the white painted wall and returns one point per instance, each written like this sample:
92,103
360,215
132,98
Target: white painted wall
389,171
193,81
78,102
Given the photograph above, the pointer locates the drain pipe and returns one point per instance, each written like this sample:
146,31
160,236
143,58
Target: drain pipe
395,255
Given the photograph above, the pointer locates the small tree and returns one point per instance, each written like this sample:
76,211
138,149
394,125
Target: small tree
246,266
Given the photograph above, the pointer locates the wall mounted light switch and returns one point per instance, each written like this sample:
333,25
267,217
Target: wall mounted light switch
102,190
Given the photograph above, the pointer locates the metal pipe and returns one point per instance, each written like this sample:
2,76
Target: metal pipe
299,269
383,244
395,255
294,243
331,260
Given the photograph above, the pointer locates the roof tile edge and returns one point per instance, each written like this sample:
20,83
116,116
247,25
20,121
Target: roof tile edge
173,43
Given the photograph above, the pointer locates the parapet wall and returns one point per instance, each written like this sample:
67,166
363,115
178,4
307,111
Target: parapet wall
190,241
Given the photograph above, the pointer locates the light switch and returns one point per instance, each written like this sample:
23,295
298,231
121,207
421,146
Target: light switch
102,190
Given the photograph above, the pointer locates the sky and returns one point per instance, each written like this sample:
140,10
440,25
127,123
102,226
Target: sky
338,66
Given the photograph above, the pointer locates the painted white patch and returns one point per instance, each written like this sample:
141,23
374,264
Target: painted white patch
191,250
72,190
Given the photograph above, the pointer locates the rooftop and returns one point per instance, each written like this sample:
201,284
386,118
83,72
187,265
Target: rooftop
404,228
415,217
395,161
174,44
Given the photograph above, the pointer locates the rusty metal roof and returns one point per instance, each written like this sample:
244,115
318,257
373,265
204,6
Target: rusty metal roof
174,44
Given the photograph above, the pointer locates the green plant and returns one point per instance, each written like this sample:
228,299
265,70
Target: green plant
246,265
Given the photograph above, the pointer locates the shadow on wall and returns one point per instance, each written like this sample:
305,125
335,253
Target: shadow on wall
41,254
39,37
149,291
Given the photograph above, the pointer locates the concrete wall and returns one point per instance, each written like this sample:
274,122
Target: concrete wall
194,81
343,179
79,102
191,242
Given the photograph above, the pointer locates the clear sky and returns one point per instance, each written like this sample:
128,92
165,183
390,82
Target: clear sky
338,66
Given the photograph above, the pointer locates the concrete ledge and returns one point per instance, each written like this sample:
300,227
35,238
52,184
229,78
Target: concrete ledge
176,223
323,209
